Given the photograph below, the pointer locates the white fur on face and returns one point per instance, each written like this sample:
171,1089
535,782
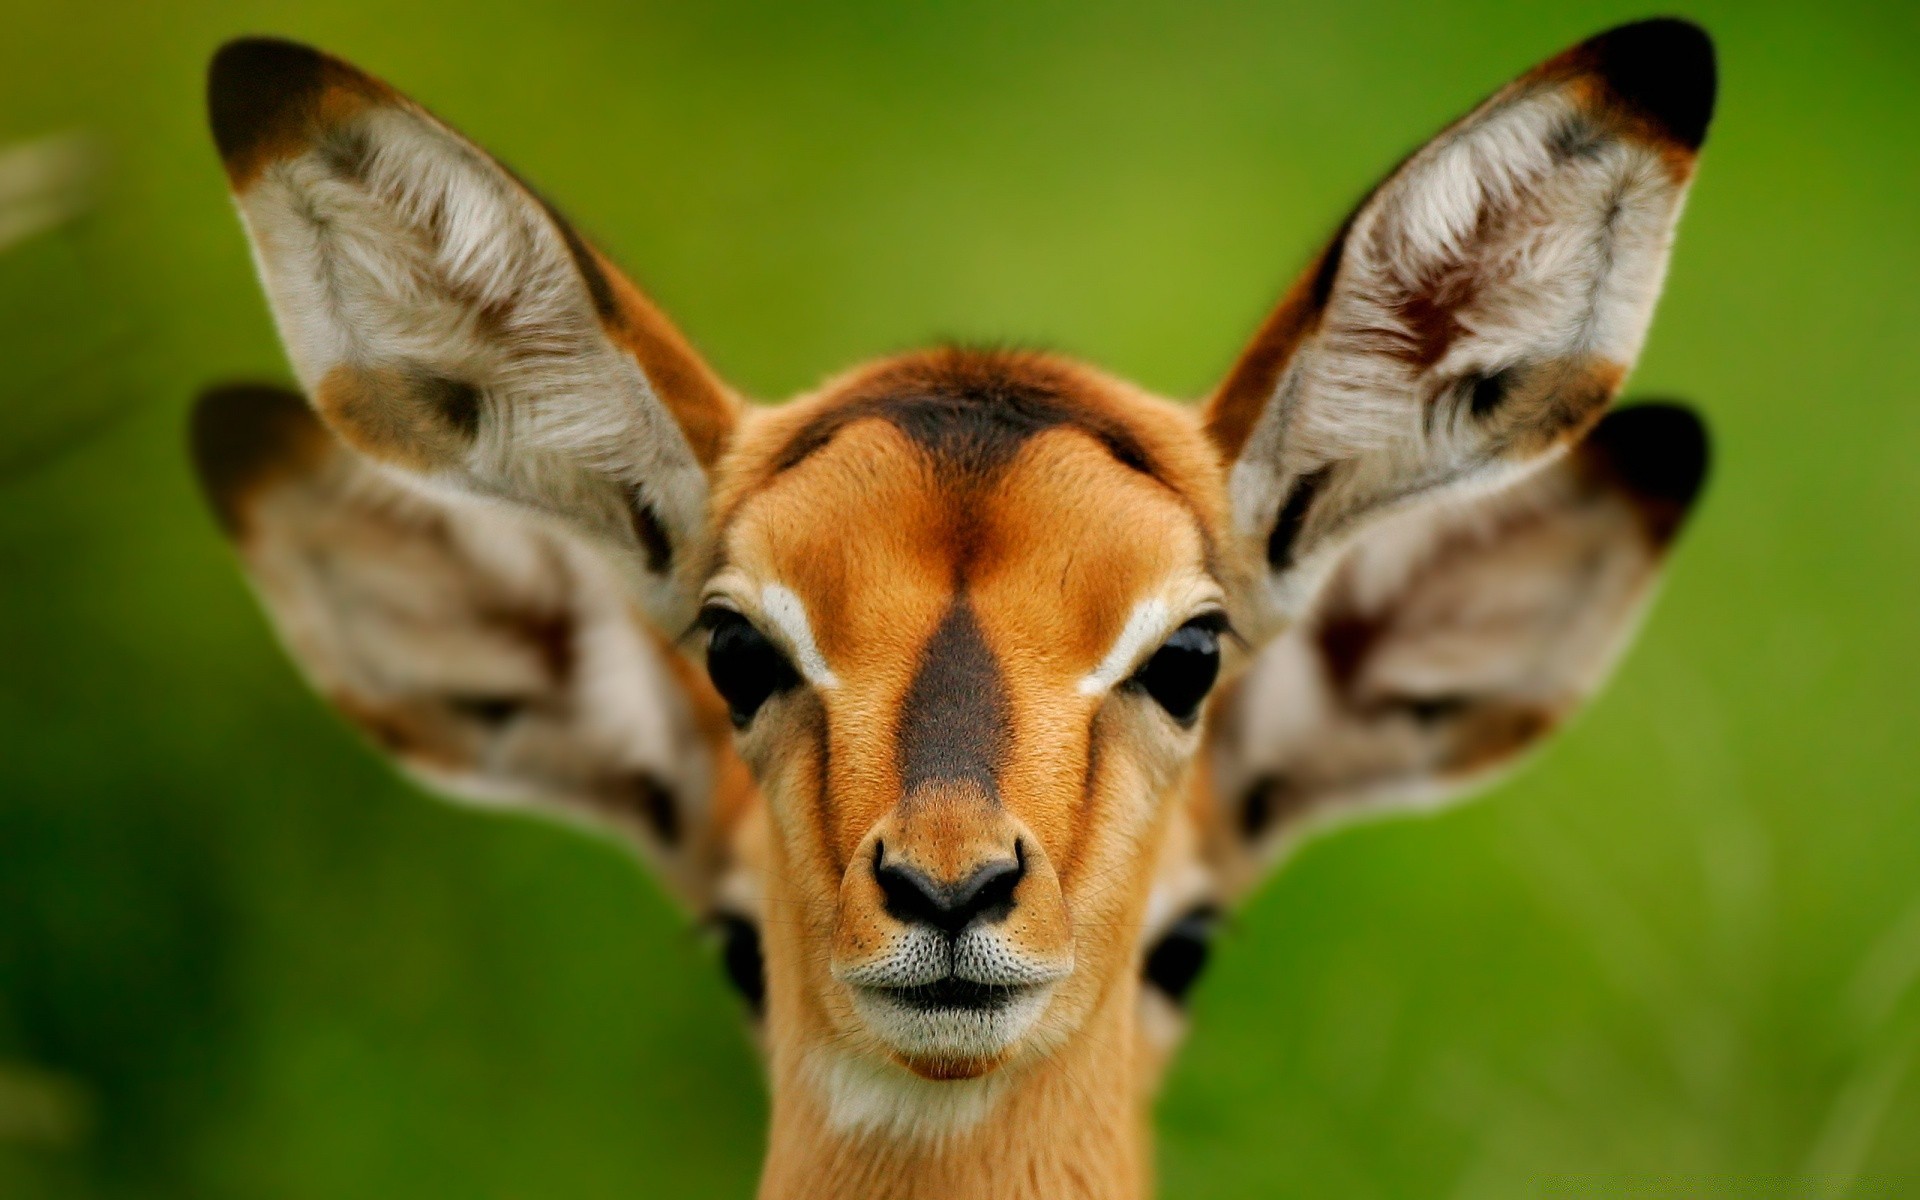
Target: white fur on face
784,609
1149,622
954,1033
865,1095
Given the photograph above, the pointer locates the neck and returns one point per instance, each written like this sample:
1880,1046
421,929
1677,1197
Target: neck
1072,1124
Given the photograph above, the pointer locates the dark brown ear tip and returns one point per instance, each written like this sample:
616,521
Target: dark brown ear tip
1659,451
1665,69
240,433
255,85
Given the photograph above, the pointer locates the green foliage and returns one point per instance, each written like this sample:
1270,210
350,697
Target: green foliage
1677,956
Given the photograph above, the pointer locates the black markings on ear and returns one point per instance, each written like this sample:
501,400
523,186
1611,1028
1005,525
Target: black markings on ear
1659,453
1658,450
1328,269
455,401
490,711
605,304
348,153
1664,69
1430,710
1345,641
239,434
953,723
256,87
1487,392
1575,136
649,533
548,634
1293,517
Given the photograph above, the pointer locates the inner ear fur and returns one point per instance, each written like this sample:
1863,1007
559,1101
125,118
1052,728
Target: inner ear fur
1478,310
493,659
447,321
1449,642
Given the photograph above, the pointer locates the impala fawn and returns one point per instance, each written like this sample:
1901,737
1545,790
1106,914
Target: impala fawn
963,693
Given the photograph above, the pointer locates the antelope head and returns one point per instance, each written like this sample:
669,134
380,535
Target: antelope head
964,690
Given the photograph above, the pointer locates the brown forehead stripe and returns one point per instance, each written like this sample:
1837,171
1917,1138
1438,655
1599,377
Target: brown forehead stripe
970,410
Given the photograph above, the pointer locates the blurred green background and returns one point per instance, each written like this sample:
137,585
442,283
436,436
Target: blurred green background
1680,955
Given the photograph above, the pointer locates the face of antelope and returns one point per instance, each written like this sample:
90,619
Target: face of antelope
956,777
965,609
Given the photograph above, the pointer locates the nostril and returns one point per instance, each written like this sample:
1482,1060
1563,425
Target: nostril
988,893
915,897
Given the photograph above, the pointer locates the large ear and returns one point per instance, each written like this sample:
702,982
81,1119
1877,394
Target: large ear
1448,642
446,321
1476,313
492,658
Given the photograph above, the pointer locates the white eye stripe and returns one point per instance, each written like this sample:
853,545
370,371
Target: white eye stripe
786,611
1146,625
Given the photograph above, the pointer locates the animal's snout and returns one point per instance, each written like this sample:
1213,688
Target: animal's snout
952,931
951,885
984,892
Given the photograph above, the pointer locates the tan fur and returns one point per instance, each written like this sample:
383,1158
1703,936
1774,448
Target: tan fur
955,568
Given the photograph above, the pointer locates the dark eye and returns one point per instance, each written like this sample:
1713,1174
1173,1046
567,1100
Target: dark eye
745,667
740,958
1176,961
1182,671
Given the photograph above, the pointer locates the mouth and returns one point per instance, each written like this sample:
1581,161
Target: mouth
951,1028
953,992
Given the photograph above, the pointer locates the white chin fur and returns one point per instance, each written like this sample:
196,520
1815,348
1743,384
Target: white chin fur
950,1032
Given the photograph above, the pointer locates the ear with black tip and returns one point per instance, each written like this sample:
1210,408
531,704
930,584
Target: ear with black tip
446,321
491,658
1478,311
1449,642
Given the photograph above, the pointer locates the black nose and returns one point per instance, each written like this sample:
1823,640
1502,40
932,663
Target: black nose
914,897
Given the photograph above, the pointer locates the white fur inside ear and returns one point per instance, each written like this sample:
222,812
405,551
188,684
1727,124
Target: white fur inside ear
400,605
1146,625
395,249
788,613
1494,256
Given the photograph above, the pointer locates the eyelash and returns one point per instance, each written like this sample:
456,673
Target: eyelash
1181,673
744,665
